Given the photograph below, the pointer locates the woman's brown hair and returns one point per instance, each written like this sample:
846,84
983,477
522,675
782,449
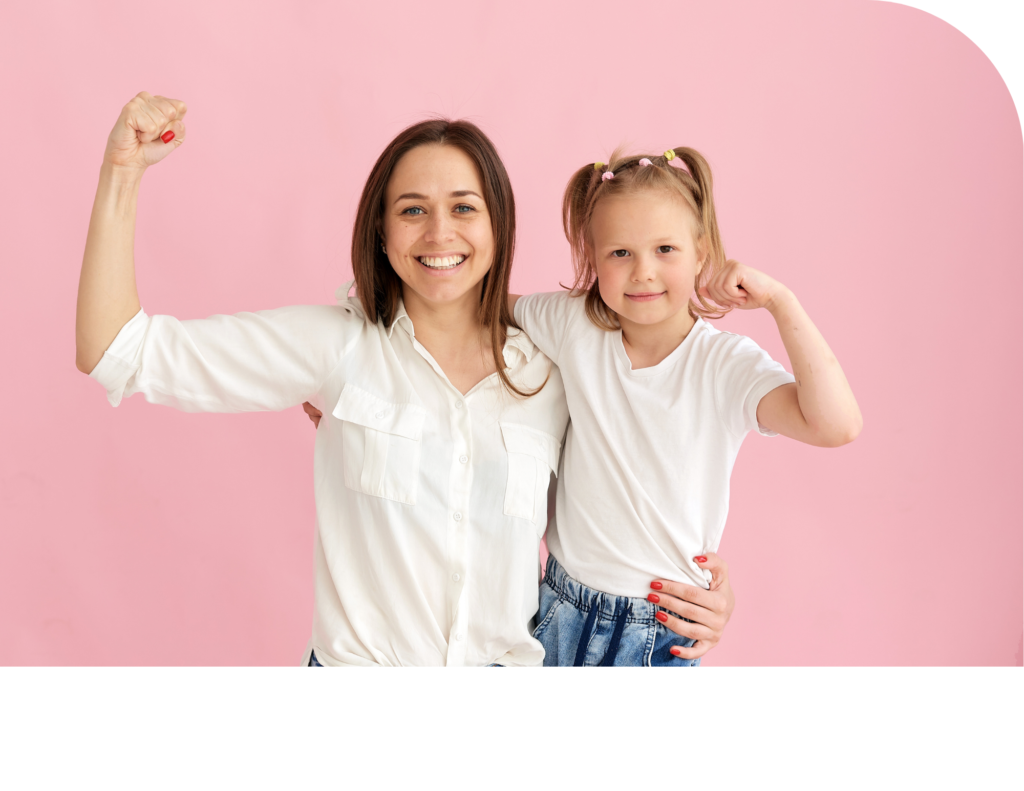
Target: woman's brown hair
588,185
380,288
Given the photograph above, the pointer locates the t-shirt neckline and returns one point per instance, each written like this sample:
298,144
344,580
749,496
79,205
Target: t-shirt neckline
664,365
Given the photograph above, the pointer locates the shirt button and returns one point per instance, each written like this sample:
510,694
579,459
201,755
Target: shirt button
458,637
458,405
456,577
463,458
457,516
379,415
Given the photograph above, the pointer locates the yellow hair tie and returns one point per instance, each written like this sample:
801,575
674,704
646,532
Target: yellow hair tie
598,165
670,155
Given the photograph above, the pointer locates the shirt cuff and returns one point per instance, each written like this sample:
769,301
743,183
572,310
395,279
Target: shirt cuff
119,362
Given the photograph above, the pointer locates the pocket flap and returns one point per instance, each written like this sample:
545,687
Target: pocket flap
358,406
533,442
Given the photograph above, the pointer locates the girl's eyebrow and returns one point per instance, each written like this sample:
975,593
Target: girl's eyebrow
417,196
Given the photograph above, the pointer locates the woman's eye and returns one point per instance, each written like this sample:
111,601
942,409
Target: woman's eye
666,248
620,253
462,208
413,210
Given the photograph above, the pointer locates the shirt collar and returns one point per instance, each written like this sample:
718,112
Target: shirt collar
515,340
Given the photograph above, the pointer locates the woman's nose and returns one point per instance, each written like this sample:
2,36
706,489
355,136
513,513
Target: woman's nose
439,228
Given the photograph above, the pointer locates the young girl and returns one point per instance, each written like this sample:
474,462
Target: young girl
659,403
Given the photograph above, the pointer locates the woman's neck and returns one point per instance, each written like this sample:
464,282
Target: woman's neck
454,336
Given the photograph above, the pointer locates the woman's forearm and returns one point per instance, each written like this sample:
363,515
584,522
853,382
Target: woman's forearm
823,394
107,295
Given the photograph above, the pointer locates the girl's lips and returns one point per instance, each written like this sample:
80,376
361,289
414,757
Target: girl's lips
646,297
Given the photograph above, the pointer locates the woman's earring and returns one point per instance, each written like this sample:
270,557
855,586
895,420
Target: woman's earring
382,247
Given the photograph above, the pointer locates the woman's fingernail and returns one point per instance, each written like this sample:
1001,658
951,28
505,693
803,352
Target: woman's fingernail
701,559
167,136
657,586
661,617
654,597
674,651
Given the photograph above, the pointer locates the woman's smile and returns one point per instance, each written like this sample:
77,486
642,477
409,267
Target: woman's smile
442,263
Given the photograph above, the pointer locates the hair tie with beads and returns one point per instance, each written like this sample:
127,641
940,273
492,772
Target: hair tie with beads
645,163
607,175
598,165
670,155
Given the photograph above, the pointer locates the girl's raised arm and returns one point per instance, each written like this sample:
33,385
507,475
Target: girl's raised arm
820,408
148,129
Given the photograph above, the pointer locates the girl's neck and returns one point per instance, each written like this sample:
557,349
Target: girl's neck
647,345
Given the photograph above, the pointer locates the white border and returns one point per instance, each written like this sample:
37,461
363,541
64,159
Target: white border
995,26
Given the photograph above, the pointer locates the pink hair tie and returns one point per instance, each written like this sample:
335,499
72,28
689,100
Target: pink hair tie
645,162
607,175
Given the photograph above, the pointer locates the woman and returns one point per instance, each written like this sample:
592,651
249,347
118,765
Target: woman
431,477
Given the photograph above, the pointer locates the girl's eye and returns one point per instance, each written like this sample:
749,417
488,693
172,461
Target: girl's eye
413,210
666,248
620,253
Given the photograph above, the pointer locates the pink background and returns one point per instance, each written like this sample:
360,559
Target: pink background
866,154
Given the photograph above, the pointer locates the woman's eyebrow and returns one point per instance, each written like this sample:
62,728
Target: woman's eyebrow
417,196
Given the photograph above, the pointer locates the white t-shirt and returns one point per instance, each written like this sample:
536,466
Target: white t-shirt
649,452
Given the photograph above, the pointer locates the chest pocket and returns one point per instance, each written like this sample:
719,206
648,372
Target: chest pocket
381,444
532,457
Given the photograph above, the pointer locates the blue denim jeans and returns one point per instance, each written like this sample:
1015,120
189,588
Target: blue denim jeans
313,661
579,626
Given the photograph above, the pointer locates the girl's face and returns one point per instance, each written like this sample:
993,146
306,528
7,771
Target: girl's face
437,229
646,259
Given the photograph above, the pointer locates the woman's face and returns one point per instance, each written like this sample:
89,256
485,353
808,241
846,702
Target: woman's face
437,229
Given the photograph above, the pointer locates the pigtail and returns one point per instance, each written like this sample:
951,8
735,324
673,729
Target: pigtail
577,207
710,238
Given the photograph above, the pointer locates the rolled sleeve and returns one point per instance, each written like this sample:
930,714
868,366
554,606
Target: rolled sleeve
120,361
246,362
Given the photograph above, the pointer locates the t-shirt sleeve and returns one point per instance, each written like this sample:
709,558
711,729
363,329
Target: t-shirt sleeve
546,317
745,374
268,360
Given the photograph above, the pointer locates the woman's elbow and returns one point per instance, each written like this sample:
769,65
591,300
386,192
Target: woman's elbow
84,365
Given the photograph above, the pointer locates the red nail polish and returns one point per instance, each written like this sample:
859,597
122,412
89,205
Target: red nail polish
701,559
674,651
653,597
167,136
657,586
661,617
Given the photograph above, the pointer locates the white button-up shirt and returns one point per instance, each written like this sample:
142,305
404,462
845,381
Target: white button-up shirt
430,503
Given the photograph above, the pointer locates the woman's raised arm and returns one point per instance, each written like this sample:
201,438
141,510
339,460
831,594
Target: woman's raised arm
148,129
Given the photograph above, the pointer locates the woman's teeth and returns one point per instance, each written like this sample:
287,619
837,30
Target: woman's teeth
448,262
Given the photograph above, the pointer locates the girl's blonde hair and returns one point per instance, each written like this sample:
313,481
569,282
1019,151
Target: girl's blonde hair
588,185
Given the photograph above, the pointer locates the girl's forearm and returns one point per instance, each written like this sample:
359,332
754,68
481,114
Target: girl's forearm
824,396
107,295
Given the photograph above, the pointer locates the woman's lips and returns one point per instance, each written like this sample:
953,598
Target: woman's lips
440,265
645,297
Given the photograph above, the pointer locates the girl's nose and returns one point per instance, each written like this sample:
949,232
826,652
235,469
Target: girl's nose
644,269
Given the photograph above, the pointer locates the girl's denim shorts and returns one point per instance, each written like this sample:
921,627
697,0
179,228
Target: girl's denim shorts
579,626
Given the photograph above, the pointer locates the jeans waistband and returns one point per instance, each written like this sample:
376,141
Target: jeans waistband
638,611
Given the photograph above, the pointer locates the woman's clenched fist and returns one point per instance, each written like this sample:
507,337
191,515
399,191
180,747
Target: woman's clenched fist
146,122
